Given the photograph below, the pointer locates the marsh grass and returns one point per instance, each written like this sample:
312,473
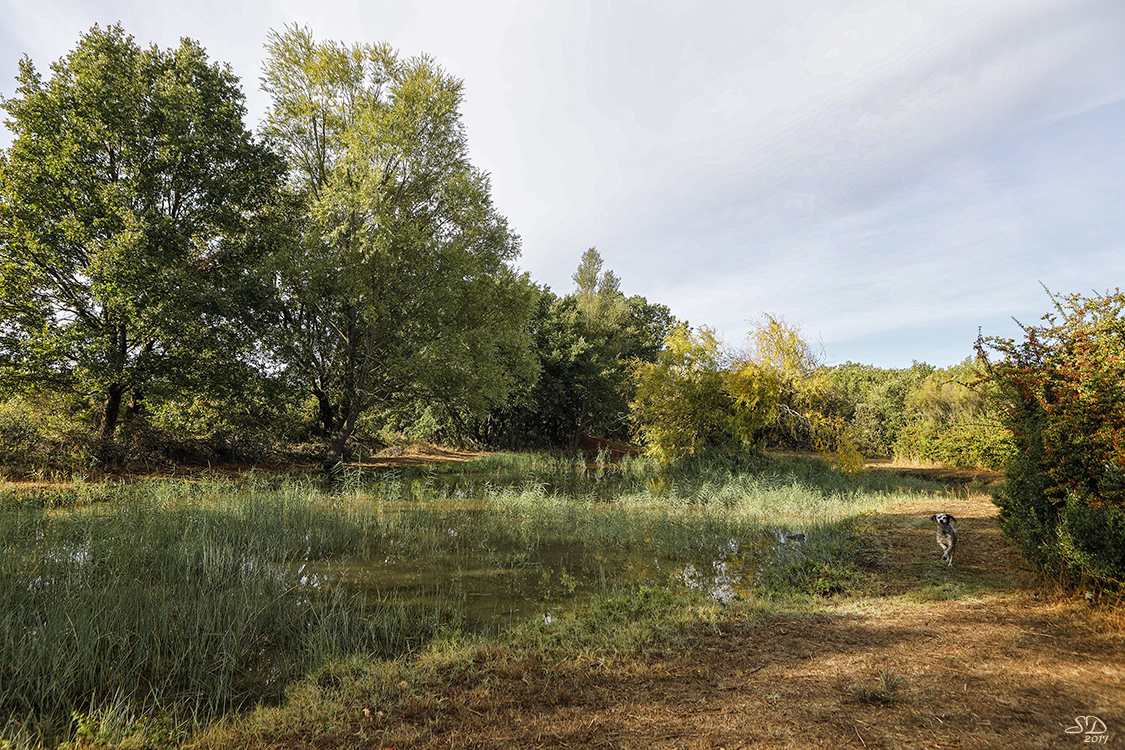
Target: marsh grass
191,598
177,593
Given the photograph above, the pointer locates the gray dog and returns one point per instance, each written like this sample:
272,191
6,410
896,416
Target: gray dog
946,536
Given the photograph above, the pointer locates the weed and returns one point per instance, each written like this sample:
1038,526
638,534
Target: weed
886,687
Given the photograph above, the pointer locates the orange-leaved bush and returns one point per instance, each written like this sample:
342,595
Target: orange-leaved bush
1062,396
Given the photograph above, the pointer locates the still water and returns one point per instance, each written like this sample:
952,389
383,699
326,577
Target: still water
501,586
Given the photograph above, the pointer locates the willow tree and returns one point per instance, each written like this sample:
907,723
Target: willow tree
132,202
400,286
697,395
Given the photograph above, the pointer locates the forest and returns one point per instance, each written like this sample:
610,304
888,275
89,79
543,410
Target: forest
180,296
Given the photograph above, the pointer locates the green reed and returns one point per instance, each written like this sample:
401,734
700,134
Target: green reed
203,595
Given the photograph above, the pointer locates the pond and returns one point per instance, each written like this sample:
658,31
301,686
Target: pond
497,585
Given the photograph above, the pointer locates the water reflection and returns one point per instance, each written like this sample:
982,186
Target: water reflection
495,590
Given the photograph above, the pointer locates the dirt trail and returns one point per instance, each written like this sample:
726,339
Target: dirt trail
984,662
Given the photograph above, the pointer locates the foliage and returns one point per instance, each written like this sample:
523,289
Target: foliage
922,413
1061,391
400,286
133,211
682,404
967,445
43,429
696,396
584,343
807,409
875,401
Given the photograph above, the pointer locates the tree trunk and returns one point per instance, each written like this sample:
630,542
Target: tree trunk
136,405
111,410
327,412
335,456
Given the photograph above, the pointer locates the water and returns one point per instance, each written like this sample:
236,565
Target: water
501,586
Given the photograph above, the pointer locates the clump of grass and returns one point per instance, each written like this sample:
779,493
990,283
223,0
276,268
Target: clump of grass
886,687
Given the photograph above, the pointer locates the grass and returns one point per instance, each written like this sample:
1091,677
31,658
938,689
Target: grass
147,608
885,690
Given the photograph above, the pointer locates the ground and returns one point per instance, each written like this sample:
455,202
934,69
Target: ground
978,655
982,654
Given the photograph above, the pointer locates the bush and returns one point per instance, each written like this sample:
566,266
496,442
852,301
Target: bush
964,445
39,431
1062,393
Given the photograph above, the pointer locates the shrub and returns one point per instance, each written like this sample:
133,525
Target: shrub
1062,393
39,431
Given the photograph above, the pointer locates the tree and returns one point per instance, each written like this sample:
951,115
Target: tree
805,408
875,401
697,395
598,293
682,403
400,288
585,343
133,207
948,420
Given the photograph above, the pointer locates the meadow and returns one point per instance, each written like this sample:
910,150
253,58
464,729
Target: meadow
165,604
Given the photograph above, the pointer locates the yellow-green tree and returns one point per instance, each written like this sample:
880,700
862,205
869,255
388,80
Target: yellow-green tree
682,404
805,409
775,390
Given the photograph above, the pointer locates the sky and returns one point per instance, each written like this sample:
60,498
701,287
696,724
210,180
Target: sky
893,176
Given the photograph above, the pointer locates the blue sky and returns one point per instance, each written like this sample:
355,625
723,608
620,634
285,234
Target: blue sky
892,175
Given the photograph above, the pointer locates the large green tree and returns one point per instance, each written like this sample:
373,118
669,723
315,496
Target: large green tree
584,343
400,286
131,216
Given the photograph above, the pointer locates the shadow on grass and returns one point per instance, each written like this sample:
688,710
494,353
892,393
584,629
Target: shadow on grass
903,557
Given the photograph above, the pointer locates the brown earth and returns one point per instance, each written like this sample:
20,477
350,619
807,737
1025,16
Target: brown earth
987,659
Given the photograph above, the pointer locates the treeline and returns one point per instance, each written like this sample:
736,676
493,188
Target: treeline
775,391
174,289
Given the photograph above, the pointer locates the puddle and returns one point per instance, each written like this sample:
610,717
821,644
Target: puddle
553,577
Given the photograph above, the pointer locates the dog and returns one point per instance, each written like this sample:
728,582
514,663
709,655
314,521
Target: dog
946,536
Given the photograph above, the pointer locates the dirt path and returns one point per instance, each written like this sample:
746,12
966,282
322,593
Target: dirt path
984,663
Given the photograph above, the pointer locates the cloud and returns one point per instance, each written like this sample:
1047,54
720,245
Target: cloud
868,167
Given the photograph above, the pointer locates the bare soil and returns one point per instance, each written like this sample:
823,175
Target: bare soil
988,658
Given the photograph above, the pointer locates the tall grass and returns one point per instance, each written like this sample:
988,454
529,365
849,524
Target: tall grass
173,592
200,596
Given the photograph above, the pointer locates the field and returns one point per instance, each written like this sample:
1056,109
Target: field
627,607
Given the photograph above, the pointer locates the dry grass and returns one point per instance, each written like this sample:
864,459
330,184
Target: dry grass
987,658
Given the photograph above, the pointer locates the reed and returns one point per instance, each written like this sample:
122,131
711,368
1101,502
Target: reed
182,594
195,597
